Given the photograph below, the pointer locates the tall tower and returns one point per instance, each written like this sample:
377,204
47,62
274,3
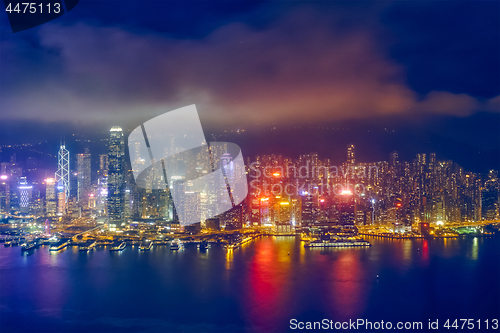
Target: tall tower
62,173
103,165
83,177
50,197
347,208
351,158
115,176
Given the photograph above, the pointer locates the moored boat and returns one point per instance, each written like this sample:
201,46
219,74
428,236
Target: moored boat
59,245
28,245
175,245
146,245
120,247
88,246
339,243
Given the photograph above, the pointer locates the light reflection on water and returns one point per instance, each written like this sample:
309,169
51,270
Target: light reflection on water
258,287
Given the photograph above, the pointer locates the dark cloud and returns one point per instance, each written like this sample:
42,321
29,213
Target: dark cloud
304,65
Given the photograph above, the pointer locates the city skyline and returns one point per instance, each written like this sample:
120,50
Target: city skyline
467,196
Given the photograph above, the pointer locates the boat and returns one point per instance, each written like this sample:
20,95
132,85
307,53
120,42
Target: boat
232,246
59,245
28,245
8,243
175,245
15,242
204,245
88,246
338,243
146,245
120,247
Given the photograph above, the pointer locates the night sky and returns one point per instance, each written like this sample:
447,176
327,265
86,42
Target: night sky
417,76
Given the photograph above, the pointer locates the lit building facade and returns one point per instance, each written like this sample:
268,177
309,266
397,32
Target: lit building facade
115,183
83,170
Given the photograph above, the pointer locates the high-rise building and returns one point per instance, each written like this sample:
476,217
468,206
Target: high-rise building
103,166
50,197
62,173
307,209
347,209
234,218
115,177
4,193
421,158
351,156
490,198
83,163
284,211
61,200
432,161
24,195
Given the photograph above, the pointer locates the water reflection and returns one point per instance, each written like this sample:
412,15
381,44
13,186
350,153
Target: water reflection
425,253
229,258
268,275
258,287
474,249
348,287
50,287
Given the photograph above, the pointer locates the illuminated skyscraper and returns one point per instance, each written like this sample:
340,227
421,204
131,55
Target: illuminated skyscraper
50,197
351,157
347,211
103,166
83,176
115,176
4,193
307,209
62,173
421,158
24,195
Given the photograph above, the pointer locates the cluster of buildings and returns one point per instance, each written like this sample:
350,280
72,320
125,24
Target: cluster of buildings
310,192
284,193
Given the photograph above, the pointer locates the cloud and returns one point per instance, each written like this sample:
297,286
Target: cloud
301,68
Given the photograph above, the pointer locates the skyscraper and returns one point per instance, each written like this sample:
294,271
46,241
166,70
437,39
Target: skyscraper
116,155
351,158
50,197
103,166
25,191
83,175
347,209
307,209
62,173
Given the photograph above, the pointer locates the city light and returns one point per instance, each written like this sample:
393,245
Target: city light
3,177
276,174
345,192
